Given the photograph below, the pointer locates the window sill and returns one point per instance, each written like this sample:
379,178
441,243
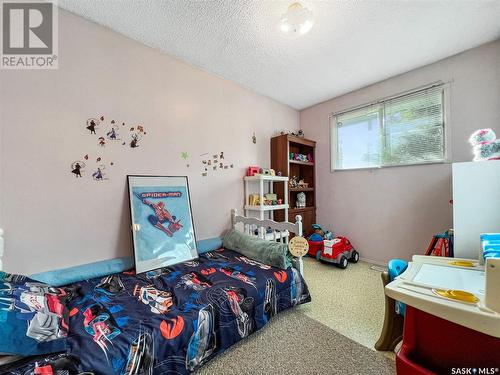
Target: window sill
389,166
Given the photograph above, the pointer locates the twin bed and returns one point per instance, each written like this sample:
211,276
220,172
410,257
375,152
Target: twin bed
174,319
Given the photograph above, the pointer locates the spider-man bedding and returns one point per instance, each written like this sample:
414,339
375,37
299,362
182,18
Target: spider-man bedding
172,320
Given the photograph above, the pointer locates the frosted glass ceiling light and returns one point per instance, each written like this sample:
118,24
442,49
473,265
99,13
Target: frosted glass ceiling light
297,20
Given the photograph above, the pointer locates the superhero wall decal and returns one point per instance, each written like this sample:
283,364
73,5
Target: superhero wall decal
104,135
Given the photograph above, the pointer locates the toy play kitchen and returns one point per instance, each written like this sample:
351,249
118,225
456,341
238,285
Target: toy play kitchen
337,250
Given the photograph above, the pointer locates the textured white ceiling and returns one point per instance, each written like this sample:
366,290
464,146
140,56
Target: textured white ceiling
352,44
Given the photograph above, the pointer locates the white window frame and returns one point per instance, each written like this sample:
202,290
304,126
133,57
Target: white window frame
446,127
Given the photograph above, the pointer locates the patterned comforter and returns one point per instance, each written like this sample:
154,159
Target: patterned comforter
172,320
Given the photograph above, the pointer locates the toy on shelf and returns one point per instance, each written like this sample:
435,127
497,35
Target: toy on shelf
299,133
295,183
270,199
485,145
252,171
337,250
267,172
255,171
301,200
302,184
254,199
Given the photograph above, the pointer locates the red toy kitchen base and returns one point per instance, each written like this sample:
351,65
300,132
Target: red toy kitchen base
432,345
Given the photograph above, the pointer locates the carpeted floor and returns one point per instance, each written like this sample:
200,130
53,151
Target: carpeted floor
293,343
349,301
334,334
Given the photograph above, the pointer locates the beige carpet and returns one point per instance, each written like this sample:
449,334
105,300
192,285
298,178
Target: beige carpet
349,301
293,343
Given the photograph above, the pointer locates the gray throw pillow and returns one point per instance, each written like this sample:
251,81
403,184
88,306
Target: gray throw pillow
267,252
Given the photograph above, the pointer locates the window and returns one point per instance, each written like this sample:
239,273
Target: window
404,130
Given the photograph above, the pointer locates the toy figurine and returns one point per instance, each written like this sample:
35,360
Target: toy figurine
271,199
294,182
299,133
271,196
325,234
301,157
301,200
302,184
267,171
254,200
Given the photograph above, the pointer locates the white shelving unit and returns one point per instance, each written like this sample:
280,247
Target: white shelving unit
266,185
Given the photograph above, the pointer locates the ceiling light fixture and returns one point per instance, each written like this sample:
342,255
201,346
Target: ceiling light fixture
297,20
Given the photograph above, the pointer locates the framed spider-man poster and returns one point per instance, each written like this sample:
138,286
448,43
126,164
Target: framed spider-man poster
162,221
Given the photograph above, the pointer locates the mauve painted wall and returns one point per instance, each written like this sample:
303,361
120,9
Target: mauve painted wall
51,219
393,212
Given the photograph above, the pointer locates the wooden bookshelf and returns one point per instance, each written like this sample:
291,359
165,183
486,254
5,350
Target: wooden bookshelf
302,189
281,147
301,163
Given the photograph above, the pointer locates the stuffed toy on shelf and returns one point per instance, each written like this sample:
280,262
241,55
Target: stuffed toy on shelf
485,145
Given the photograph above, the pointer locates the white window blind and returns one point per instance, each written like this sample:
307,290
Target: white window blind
413,128
408,129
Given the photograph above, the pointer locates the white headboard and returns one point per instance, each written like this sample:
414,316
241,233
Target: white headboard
280,231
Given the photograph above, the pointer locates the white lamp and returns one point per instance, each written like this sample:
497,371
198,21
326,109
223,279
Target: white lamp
297,20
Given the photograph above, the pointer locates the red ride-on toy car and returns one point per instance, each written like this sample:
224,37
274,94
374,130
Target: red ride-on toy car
338,251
